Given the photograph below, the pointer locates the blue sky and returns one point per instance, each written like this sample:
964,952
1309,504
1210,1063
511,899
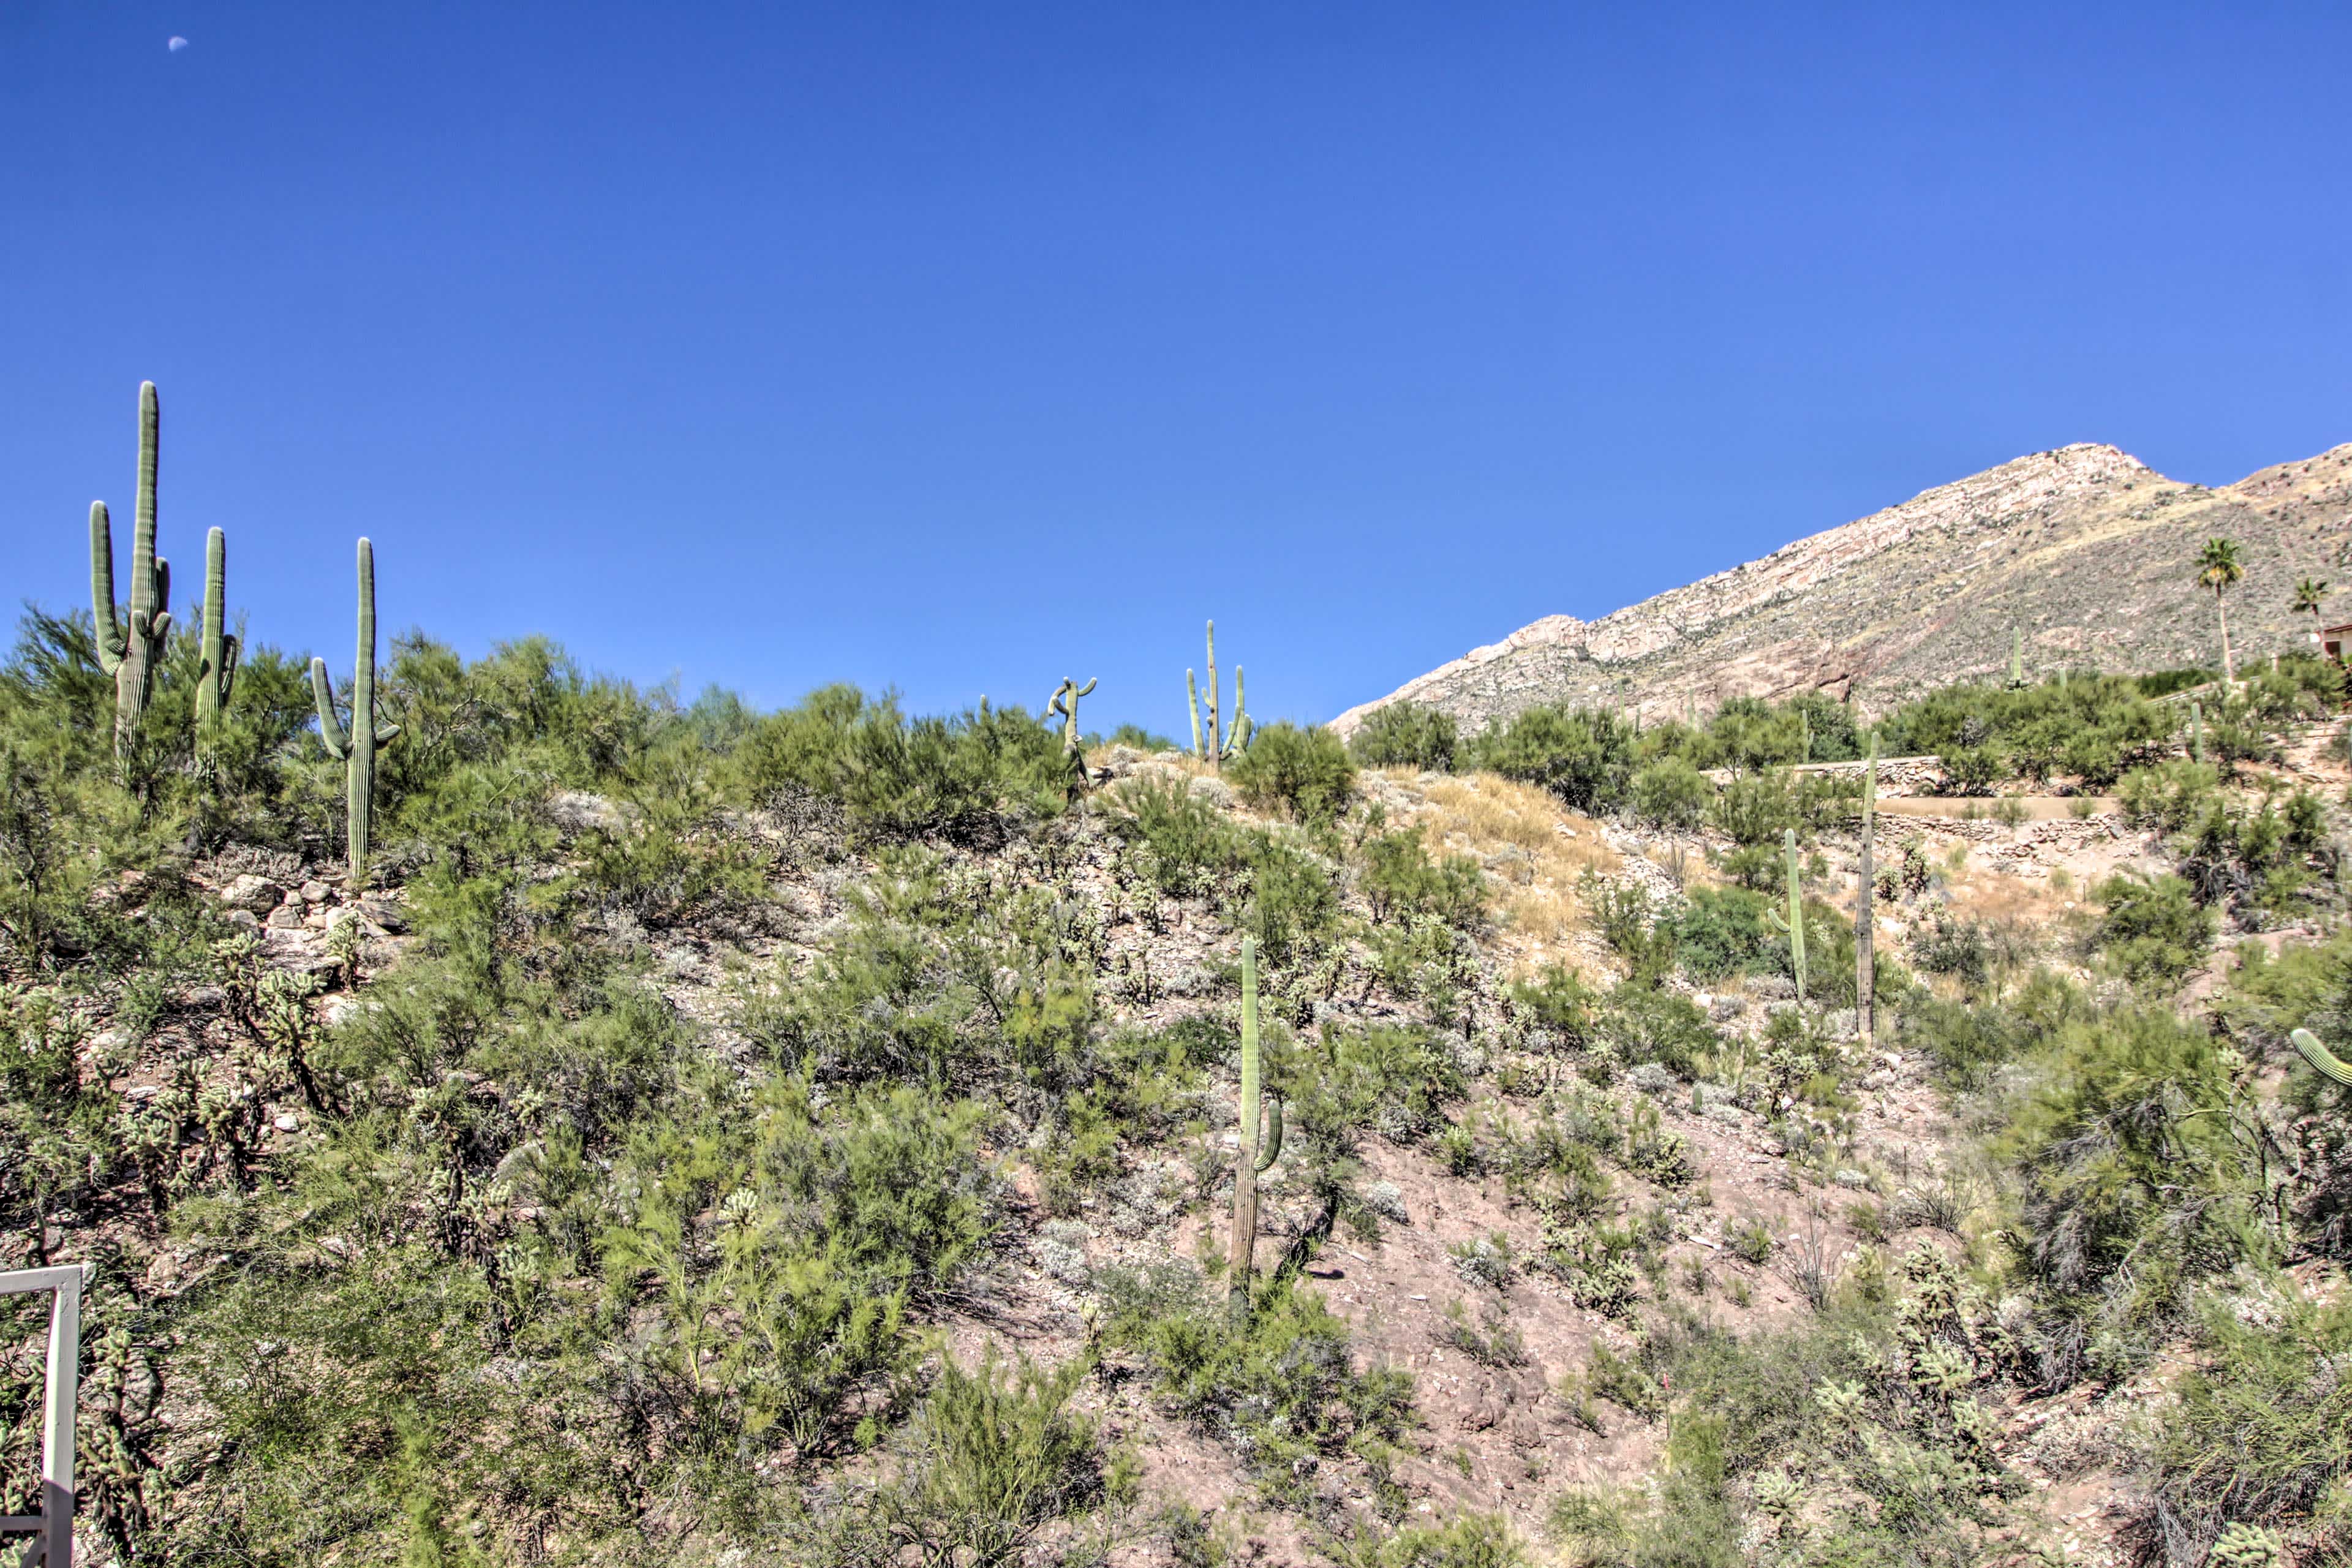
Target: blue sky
962,347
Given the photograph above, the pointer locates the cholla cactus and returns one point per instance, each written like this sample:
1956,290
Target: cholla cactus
1776,1493
2243,1545
2321,1058
131,650
1253,1155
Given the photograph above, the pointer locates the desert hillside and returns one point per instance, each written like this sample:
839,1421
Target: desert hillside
2085,553
702,1136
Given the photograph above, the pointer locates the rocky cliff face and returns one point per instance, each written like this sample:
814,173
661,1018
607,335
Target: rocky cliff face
2085,550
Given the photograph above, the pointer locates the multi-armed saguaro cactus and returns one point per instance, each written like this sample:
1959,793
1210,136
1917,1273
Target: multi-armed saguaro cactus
217,674
131,650
1253,1155
2321,1058
1865,988
1064,702
1218,747
1793,925
356,749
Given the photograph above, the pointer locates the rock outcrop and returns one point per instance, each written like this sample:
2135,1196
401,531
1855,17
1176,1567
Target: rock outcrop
2085,550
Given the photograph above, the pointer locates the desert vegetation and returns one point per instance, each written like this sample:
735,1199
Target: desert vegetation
510,1116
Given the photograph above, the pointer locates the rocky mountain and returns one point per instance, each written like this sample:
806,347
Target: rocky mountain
2085,550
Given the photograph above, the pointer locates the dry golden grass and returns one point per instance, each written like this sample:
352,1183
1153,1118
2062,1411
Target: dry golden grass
1524,836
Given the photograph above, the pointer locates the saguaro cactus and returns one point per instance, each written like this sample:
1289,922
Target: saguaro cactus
1865,988
2321,1058
1064,702
1220,747
356,749
1793,925
216,676
2016,657
2197,730
131,650
1253,1155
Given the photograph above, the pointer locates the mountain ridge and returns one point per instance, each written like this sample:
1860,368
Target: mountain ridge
2095,574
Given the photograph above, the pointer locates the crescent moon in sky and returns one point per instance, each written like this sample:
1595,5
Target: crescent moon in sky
176,45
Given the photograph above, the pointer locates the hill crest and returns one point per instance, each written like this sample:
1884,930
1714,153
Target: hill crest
2083,549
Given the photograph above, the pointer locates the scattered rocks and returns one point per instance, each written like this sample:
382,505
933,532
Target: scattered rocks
256,894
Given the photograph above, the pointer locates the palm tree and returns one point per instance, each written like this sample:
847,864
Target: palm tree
2218,568
2309,593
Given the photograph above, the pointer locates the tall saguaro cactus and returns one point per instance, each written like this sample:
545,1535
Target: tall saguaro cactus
2197,731
1866,987
216,677
1220,747
356,749
1253,1155
131,650
1064,702
2321,1058
1793,926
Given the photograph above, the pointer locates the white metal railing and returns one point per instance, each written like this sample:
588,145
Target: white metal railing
52,1528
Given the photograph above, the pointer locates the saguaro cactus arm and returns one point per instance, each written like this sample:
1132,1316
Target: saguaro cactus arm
217,646
1192,700
110,641
1237,739
331,728
2321,1058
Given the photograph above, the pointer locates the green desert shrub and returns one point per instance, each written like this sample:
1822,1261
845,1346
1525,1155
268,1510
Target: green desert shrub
1671,793
1721,932
1304,772
2153,928
1407,735
1400,878
1280,1385
1582,755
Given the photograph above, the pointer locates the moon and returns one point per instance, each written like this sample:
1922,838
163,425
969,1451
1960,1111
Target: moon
177,44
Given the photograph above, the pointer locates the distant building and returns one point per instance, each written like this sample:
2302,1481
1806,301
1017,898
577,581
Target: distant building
2332,640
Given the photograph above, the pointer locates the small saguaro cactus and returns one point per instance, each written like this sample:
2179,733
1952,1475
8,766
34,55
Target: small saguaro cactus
2321,1058
1865,990
216,676
355,748
131,650
2197,731
1064,702
1793,925
2016,657
1253,1154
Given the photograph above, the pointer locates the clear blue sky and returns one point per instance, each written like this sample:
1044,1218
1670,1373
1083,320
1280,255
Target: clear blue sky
962,347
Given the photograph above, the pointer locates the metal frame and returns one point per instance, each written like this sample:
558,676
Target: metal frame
52,1528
